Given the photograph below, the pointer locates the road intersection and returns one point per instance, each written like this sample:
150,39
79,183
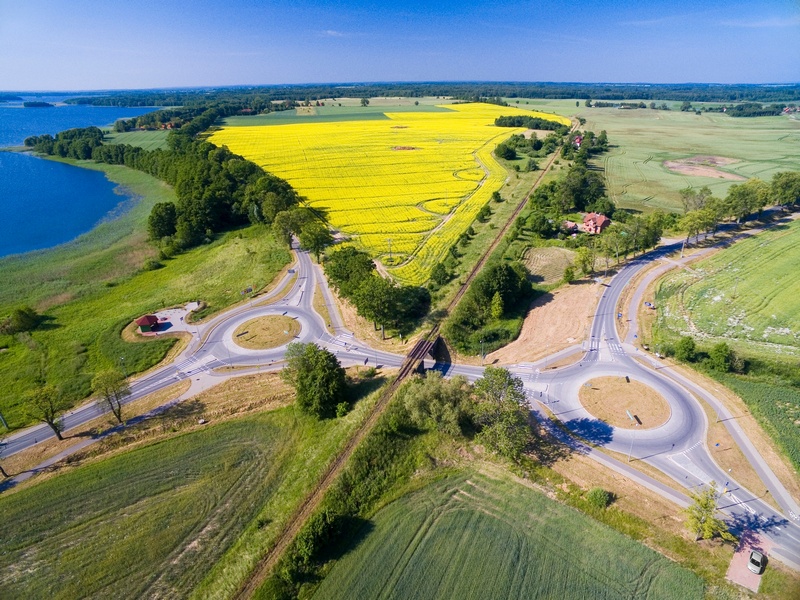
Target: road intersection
677,448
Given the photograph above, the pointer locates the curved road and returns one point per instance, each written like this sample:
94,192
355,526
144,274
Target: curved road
677,448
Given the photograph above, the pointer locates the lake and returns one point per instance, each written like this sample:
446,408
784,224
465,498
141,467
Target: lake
45,203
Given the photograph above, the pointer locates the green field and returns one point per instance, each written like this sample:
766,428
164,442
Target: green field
187,516
90,289
746,294
328,113
642,139
149,140
471,536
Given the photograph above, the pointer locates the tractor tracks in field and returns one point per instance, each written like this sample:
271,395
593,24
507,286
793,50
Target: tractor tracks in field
423,347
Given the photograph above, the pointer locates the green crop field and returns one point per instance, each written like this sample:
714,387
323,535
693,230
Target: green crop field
747,293
189,515
470,536
643,139
149,140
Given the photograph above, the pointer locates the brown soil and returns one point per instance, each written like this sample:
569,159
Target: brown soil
266,332
556,321
608,399
404,148
703,166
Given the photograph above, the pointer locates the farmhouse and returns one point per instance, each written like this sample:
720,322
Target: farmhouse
595,223
147,323
569,227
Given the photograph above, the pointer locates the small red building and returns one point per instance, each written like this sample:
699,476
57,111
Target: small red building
595,223
147,323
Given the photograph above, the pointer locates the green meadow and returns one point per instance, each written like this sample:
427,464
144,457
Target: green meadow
149,140
642,140
471,536
746,294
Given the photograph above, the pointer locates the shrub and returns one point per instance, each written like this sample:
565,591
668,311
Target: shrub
599,498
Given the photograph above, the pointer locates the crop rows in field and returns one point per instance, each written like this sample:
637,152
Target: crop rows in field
746,292
414,181
470,536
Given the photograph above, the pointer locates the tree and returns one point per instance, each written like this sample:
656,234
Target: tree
376,299
291,222
315,237
746,198
162,221
317,378
21,319
505,151
365,102
785,188
569,274
496,308
720,357
500,412
685,350
434,402
46,404
439,274
112,388
701,517
347,268
584,259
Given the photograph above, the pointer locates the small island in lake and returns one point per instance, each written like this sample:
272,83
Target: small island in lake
37,105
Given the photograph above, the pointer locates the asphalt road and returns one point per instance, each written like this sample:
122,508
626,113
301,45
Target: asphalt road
677,448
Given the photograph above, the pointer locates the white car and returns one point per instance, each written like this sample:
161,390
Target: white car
757,562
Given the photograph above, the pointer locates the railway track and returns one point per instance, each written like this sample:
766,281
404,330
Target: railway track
410,364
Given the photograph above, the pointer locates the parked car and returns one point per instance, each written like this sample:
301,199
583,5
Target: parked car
757,562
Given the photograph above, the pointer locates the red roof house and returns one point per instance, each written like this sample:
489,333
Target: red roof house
595,223
147,323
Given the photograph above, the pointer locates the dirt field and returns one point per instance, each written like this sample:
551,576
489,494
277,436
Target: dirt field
266,332
557,320
703,166
609,397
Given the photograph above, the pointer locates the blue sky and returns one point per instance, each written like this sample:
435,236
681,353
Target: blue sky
81,44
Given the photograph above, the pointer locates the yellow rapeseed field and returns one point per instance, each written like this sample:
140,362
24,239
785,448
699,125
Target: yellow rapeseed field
416,178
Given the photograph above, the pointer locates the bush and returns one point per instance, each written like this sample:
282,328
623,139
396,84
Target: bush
151,264
685,349
599,498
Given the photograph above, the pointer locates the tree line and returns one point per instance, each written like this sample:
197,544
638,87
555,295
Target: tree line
531,123
265,97
704,212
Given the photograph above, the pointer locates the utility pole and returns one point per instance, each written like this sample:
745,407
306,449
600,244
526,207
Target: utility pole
122,364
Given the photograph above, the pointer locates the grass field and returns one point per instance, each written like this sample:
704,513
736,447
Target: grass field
90,289
747,293
404,185
149,140
154,522
470,536
641,140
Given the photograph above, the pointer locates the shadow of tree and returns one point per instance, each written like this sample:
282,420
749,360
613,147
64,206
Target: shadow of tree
592,430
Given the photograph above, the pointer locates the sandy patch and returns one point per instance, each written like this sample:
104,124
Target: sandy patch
539,133
703,166
556,320
608,399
